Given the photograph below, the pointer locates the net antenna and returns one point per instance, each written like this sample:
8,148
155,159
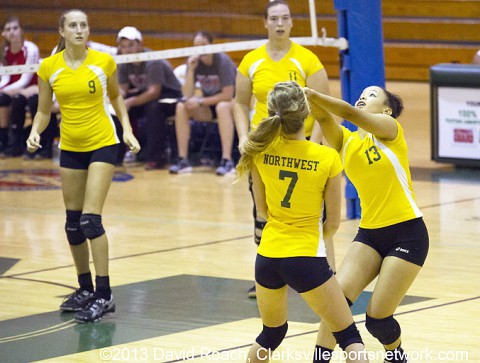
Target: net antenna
313,40
313,19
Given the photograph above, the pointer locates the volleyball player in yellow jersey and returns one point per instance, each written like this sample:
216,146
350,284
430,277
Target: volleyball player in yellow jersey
83,79
292,177
263,71
278,60
392,240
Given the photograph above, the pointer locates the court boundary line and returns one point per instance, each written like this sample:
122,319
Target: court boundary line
51,329
315,331
135,255
436,205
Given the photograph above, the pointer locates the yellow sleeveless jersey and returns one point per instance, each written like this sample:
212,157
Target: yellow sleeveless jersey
380,172
295,173
82,95
297,65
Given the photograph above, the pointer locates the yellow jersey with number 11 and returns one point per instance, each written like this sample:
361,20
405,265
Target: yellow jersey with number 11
297,65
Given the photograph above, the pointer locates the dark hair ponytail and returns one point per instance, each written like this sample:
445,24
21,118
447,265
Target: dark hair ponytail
394,102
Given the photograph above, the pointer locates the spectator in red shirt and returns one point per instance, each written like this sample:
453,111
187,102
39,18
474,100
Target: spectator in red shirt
16,91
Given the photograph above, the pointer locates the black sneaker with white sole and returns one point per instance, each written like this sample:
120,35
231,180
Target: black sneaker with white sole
396,356
76,301
182,166
95,310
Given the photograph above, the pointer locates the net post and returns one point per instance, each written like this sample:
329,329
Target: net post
361,65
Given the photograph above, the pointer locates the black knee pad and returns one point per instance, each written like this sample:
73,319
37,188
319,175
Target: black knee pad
349,302
347,336
33,104
5,100
92,225
386,330
19,102
270,338
74,232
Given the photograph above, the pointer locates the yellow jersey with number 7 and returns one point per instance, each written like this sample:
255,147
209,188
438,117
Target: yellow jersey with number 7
295,173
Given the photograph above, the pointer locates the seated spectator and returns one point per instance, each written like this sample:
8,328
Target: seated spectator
16,91
142,84
215,73
51,132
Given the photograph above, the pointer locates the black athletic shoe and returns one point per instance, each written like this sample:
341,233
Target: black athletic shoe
95,310
76,301
252,292
396,356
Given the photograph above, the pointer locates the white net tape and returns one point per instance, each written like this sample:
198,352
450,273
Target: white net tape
313,40
340,43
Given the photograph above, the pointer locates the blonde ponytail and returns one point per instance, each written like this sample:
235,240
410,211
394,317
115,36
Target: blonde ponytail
287,109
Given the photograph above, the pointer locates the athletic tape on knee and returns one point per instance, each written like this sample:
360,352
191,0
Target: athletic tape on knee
92,225
73,230
386,330
347,336
271,338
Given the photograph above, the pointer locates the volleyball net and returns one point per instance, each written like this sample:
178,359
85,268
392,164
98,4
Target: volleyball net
312,39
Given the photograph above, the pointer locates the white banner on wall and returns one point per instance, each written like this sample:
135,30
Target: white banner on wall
459,122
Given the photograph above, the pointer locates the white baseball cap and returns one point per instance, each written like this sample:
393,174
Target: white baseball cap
129,32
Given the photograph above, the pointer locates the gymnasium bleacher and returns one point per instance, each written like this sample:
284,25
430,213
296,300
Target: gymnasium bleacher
417,33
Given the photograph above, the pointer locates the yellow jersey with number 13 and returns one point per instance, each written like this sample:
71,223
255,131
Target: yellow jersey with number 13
379,171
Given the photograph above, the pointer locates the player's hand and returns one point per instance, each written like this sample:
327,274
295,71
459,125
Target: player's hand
131,142
241,142
33,142
308,91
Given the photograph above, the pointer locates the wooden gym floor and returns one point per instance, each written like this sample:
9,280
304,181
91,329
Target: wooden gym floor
182,256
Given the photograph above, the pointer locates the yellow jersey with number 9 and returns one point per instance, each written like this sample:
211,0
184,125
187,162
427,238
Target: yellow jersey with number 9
295,173
81,93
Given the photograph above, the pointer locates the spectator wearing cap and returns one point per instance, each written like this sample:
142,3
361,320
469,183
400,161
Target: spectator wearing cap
142,85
